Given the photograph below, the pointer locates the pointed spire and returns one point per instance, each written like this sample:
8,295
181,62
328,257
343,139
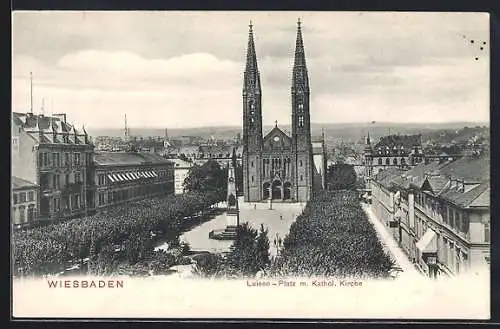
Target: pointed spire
300,77
252,76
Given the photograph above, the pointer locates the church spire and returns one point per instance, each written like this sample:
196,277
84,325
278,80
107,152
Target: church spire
300,78
252,76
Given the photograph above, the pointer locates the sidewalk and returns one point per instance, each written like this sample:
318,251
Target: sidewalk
388,242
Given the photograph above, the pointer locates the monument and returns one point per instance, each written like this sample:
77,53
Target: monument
232,210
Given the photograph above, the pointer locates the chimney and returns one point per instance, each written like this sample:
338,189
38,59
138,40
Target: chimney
61,116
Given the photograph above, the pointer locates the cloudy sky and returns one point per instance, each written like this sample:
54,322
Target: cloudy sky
185,69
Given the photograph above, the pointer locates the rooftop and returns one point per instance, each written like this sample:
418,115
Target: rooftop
127,158
468,169
18,183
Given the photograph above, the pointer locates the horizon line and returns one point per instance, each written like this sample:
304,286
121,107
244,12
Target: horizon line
312,123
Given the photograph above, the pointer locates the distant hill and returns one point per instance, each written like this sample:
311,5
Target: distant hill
348,132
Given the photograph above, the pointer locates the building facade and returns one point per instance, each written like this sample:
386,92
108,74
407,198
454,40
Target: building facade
438,212
392,151
24,203
277,166
121,177
181,172
51,153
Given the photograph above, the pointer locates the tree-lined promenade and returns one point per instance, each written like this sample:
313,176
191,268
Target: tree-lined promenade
127,228
331,238
122,235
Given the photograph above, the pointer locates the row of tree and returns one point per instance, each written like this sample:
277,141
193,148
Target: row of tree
332,238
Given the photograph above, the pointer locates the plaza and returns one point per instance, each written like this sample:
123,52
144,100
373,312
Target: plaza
277,220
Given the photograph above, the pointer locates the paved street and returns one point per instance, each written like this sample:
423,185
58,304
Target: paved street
409,270
198,236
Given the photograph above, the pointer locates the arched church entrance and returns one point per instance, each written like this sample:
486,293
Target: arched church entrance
276,190
265,190
287,191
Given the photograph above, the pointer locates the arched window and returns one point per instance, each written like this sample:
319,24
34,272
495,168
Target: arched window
387,161
395,161
403,161
379,161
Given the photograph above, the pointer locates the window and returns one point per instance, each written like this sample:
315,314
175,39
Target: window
252,179
77,159
403,161
487,232
15,201
465,223
66,159
77,177
458,221
395,161
387,161
22,213
301,178
251,164
58,158
57,204
23,196
110,197
66,179
101,198
379,161
31,213
54,159
301,121
300,163
445,251
452,218
101,179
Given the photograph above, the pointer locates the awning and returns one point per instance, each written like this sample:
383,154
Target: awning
122,177
154,174
148,174
134,175
428,242
110,177
115,176
129,175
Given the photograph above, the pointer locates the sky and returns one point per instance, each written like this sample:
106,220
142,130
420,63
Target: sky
185,69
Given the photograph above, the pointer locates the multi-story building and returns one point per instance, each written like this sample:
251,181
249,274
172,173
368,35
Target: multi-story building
392,151
438,212
53,154
181,172
130,176
24,203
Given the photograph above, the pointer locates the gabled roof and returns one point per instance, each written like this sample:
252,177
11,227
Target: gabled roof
19,183
386,177
276,132
465,199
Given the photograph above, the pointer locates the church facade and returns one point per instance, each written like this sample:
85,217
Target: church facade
277,166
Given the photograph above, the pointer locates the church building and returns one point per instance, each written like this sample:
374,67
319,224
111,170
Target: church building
277,166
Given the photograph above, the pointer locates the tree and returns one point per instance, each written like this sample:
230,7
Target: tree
209,177
242,257
341,176
262,246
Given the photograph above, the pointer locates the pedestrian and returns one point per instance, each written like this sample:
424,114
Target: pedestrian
281,217
254,206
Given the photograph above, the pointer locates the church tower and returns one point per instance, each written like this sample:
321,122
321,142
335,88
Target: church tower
368,153
252,123
301,122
